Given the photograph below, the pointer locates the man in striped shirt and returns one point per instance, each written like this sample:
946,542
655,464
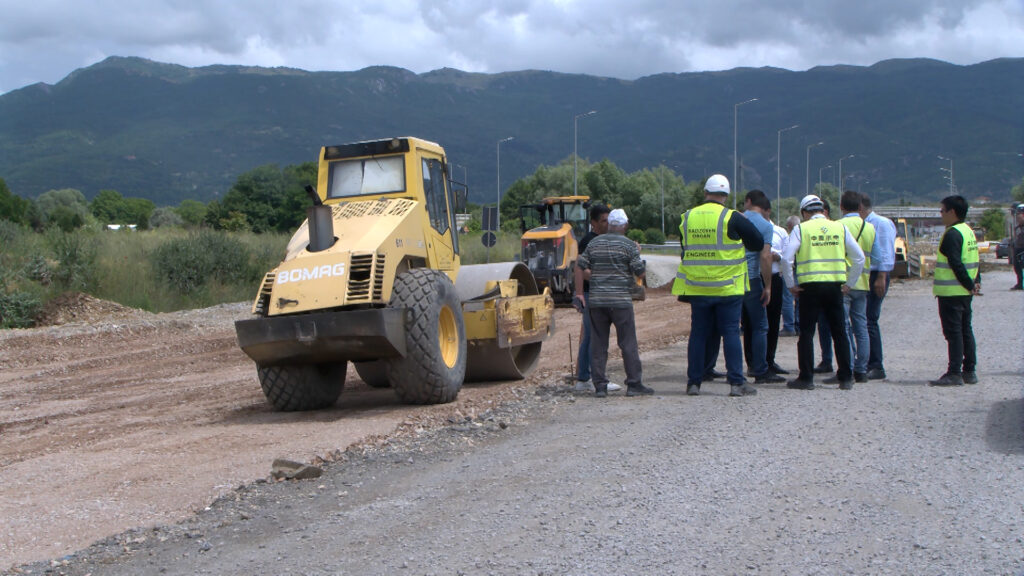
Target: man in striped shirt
614,262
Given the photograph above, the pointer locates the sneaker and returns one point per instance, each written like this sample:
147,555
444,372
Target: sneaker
970,377
613,387
876,374
693,389
769,378
846,385
742,390
798,384
788,333
823,368
860,377
600,392
948,379
583,386
639,390
778,369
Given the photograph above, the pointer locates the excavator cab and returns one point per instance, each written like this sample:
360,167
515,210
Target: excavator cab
551,232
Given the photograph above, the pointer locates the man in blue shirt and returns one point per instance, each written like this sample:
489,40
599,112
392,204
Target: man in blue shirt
885,237
754,319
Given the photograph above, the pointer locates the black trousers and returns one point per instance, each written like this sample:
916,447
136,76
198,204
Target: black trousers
774,318
827,298
955,315
601,320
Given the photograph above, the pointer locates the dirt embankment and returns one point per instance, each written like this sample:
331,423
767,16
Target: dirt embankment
116,418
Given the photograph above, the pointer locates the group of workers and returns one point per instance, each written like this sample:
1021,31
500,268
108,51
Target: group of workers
736,271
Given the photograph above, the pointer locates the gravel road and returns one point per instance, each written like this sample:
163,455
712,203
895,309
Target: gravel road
893,477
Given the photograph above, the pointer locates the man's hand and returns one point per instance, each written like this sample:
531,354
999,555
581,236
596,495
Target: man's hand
879,286
795,291
766,295
846,289
579,303
977,289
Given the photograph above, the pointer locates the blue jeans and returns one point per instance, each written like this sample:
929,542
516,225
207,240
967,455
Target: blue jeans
754,321
583,356
723,313
856,303
788,318
874,312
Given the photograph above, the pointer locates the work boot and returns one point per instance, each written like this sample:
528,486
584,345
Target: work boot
876,374
769,378
638,390
834,379
823,368
798,384
860,377
778,369
970,377
600,391
846,384
948,379
742,390
712,374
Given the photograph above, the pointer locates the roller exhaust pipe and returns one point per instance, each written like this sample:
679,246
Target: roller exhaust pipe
321,223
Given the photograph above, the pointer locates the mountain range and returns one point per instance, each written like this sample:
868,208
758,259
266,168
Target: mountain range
167,132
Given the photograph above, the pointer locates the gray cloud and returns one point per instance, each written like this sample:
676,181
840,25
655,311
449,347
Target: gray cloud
44,40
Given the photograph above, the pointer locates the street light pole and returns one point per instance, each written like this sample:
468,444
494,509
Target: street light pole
807,180
497,215
819,173
735,147
952,186
841,184
778,165
575,156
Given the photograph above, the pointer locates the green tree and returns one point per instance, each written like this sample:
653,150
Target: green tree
109,207
270,198
1017,192
13,207
138,211
165,217
993,221
67,203
192,212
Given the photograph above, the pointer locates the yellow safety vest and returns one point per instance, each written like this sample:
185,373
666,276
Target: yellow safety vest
822,253
864,232
713,264
945,283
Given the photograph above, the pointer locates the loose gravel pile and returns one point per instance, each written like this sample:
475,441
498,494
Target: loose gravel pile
893,477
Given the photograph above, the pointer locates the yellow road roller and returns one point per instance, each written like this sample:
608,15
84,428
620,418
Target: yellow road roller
373,277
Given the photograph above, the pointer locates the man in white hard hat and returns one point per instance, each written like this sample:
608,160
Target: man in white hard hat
614,263
712,277
821,249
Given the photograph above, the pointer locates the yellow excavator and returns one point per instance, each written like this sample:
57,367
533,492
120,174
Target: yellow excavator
551,232
374,277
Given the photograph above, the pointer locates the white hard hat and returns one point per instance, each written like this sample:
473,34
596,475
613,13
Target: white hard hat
811,202
717,184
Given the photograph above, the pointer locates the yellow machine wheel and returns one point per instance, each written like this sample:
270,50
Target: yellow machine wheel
434,365
374,373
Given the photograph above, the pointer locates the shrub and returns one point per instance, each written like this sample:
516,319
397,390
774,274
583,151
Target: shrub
188,264
19,310
76,260
637,236
654,236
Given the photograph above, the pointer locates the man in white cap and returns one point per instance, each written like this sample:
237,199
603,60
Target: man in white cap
614,264
712,277
821,249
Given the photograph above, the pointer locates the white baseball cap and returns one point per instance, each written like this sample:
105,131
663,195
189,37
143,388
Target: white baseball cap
617,217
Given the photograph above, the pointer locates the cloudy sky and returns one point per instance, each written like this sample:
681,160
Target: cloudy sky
44,40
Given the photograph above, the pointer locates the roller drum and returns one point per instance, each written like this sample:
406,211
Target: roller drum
485,361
